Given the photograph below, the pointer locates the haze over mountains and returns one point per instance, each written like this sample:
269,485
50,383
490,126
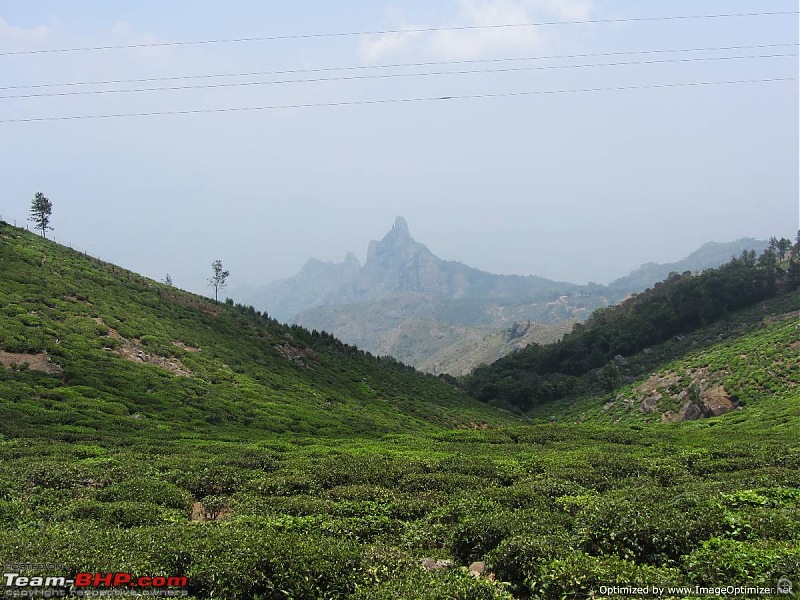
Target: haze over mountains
444,316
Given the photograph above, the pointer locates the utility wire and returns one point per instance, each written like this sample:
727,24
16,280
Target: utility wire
395,31
395,66
399,100
390,76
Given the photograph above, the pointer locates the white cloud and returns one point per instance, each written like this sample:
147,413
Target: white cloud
465,44
375,47
33,34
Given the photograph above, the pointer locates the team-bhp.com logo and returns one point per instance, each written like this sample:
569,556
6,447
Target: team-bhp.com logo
94,584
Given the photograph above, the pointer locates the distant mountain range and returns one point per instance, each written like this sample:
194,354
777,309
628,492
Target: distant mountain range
444,316
709,255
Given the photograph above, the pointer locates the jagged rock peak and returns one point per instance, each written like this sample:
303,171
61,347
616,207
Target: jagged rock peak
395,244
400,227
398,235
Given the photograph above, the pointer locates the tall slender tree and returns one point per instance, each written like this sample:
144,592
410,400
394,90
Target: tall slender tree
218,279
41,209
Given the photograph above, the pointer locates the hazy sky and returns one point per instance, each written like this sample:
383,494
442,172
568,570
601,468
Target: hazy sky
574,186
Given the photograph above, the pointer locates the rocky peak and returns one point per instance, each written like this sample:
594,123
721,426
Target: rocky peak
400,227
395,245
398,235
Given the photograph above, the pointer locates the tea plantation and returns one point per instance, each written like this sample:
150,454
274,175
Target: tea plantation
148,430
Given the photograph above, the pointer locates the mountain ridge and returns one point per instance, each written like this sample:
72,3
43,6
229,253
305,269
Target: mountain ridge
380,305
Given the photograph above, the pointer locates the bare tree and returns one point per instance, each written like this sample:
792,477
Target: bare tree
41,209
218,279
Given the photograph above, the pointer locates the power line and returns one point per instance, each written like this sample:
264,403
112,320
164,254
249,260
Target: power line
390,76
395,31
399,100
396,66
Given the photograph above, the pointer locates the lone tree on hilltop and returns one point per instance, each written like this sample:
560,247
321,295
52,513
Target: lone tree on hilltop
41,209
218,279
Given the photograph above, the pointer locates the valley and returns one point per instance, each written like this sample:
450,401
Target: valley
148,430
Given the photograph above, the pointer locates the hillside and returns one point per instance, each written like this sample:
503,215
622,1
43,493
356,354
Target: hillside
600,352
154,432
87,338
467,353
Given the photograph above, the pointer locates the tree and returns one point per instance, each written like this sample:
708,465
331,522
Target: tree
609,377
780,247
41,209
218,279
794,271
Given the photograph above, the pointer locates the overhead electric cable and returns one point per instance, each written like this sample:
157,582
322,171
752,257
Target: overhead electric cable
397,100
397,66
386,76
396,31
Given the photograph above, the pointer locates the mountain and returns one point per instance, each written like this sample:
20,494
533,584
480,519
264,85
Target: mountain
709,255
315,282
398,264
410,304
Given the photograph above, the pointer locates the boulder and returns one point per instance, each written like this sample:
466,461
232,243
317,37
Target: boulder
689,412
716,401
649,404
477,569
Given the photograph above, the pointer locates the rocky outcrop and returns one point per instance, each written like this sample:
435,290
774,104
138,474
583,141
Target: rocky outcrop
31,362
134,351
699,395
716,401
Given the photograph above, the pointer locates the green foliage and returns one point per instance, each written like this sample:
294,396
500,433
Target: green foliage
41,209
609,377
720,561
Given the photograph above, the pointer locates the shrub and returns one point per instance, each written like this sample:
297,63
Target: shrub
518,559
578,575
116,514
146,489
648,525
720,561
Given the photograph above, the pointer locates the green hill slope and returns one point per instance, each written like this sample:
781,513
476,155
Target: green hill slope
744,366
593,353
96,348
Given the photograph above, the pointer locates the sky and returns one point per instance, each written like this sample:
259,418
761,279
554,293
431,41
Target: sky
574,186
